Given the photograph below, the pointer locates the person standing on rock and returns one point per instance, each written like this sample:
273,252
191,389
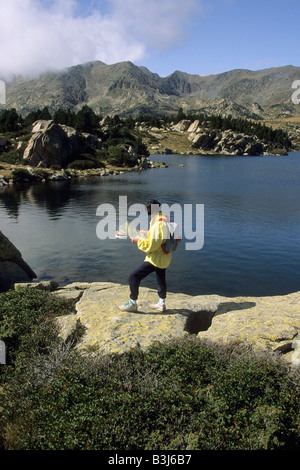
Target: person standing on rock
156,259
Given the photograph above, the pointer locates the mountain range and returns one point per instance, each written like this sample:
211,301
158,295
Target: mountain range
127,89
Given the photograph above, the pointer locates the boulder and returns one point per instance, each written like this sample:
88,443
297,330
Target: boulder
59,176
39,125
13,268
182,126
51,144
194,126
205,140
262,323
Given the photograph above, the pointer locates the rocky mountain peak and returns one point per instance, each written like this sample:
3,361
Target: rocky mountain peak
127,89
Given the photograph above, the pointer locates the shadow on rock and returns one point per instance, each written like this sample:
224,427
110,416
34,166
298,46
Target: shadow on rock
201,320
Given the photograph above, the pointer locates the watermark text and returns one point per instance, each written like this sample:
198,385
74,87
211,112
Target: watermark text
296,94
189,219
2,92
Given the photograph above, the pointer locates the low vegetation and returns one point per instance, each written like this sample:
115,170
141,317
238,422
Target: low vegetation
115,132
180,395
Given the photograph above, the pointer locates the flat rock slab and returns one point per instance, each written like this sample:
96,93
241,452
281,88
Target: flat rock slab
110,330
271,323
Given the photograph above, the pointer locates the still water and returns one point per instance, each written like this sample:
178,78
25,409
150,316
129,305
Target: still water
251,224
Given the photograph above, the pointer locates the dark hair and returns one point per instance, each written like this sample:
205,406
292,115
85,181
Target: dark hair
151,203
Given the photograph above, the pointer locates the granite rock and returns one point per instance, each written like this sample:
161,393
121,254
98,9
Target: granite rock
264,323
13,268
51,144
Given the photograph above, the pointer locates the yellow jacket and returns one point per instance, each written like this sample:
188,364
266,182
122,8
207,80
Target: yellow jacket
158,232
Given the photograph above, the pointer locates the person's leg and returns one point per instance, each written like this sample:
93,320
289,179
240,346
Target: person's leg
134,280
137,276
161,283
161,290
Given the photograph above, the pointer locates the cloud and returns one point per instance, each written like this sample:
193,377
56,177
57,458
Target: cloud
158,23
42,35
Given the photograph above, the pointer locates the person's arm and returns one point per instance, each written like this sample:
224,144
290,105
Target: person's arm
135,239
156,236
144,232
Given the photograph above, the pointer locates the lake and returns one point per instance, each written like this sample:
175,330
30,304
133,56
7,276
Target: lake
251,224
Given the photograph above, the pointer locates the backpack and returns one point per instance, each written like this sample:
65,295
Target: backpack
173,240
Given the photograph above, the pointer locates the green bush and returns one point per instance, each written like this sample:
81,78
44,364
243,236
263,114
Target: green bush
12,156
81,165
26,322
118,156
181,395
55,167
21,175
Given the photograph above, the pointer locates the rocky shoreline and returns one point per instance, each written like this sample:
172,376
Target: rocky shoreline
265,323
23,174
262,323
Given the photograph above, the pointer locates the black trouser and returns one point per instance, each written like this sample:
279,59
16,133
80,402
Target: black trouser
140,273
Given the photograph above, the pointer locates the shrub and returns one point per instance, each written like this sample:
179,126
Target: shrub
81,165
181,395
55,167
26,322
88,161
118,156
12,156
21,175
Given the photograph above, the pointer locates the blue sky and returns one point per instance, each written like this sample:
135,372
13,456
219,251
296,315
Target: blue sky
235,34
196,36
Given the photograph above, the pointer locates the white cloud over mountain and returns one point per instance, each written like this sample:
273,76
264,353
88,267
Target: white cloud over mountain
42,35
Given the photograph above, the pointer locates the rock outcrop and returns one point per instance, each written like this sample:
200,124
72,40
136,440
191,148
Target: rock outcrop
264,323
12,266
227,142
190,136
51,144
220,142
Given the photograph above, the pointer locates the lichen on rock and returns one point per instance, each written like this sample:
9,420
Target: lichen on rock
264,323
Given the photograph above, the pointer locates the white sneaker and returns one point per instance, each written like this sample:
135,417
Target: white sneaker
160,307
128,307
